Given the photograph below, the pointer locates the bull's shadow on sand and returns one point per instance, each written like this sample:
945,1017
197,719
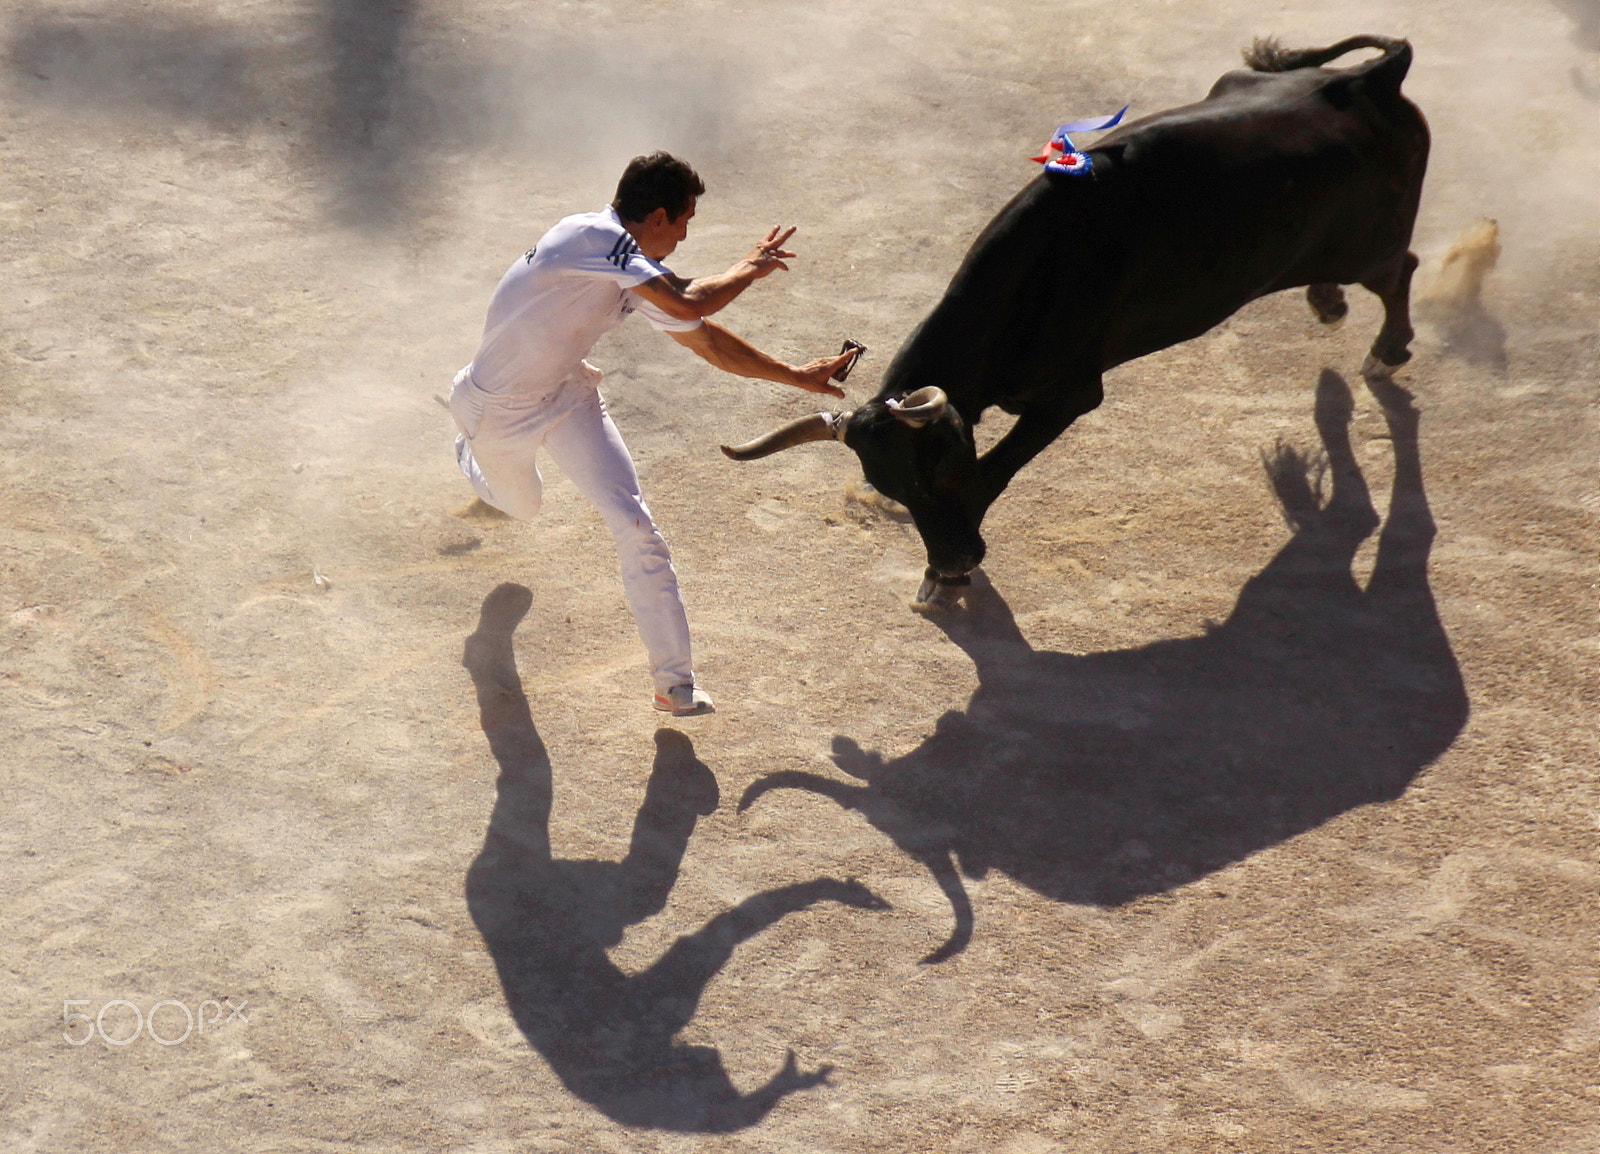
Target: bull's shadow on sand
548,922
1100,778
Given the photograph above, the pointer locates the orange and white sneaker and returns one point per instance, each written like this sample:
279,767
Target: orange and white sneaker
685,701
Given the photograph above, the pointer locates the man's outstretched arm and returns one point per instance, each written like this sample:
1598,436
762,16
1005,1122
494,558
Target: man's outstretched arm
689,300
733,354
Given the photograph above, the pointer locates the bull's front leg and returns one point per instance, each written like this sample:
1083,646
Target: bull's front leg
1037,426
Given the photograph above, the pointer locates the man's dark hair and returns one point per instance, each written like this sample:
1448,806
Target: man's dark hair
659,180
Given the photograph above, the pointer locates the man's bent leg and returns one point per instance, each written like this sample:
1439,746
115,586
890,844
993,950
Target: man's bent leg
589,449
498,451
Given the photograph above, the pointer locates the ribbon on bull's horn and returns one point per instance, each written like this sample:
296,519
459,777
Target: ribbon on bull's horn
1060,155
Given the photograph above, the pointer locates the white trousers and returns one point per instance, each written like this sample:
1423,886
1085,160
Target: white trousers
498,451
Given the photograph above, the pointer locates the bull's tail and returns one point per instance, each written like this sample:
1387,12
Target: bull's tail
1269,56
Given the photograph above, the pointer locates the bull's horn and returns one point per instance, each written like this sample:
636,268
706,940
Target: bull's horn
921,407
816,427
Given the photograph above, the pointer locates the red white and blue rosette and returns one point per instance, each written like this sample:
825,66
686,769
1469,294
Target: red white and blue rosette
1063,157
1070,164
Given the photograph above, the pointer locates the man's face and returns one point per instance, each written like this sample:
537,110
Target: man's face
662,234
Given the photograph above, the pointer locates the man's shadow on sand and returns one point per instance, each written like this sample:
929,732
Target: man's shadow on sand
548,922
1100,778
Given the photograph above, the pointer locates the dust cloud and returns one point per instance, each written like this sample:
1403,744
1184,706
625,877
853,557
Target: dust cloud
379,100
1507,144
386,100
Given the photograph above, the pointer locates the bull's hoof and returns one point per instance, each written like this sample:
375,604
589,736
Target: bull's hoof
938,593
1374,370
1328,303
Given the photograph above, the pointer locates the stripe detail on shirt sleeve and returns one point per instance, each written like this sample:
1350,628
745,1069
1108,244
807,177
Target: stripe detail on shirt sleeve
624,250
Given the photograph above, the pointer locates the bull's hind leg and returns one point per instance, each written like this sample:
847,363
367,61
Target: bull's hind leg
1327,301
1391,283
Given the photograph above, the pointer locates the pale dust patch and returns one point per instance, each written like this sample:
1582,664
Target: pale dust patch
1446,893
293,907
398,865
159,767
895,571
1510,1074
1151,1021
194,682
418,915
1132,1003
1584,1033
35,698
1031,1143
772,515
33,614
1053,564
349,1003
1228,1127
1320,1093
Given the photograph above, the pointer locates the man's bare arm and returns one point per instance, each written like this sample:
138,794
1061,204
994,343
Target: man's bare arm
733,354
695,299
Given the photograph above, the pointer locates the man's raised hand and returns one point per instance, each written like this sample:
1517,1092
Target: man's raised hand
769,254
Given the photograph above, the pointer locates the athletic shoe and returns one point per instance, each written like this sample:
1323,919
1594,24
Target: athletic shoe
685,701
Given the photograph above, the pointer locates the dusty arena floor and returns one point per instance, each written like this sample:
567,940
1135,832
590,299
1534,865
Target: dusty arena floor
1234,831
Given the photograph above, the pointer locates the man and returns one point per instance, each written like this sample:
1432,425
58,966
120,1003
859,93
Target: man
529,388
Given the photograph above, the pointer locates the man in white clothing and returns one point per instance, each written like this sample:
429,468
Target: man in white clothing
528,387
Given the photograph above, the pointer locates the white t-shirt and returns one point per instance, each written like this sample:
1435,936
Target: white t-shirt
558,299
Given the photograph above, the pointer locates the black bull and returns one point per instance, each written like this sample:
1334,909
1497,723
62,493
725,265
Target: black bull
1284,176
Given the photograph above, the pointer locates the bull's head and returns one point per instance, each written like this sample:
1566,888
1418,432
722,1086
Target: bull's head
916,450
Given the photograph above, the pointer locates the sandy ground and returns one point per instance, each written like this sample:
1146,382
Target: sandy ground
1275,836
